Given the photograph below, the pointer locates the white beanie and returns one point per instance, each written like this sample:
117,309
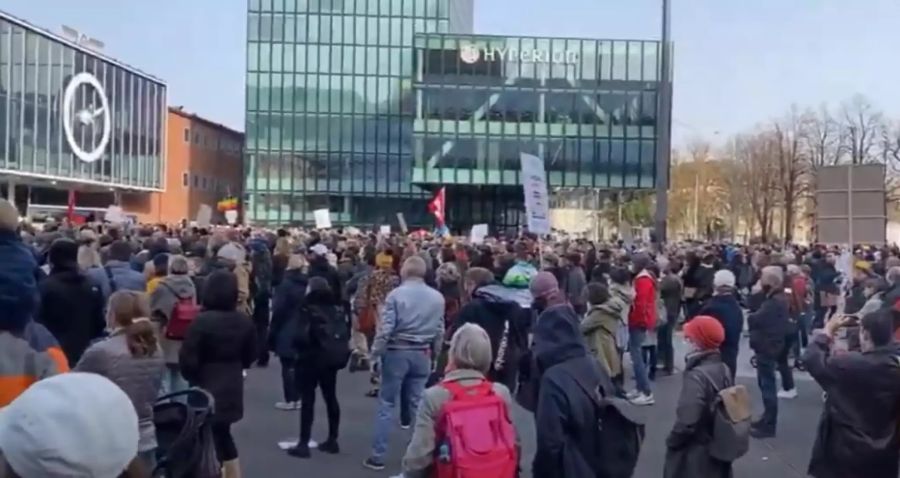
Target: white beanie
74,425
723,278
233,252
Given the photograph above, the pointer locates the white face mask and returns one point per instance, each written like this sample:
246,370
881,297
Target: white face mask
691,348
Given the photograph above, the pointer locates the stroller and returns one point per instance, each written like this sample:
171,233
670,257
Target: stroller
185,446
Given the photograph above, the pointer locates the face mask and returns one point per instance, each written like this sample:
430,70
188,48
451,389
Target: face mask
691,348
539,304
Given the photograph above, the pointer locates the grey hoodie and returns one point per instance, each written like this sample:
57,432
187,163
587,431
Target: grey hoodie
170,290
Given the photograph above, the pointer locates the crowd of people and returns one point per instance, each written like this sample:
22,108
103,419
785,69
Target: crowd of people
452,333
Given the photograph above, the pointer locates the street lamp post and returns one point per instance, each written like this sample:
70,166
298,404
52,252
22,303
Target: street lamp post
663,127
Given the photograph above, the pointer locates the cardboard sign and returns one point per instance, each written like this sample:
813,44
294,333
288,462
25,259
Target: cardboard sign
385,230
537,201
231,216
323,218
402,220
479,232
204,215
115,215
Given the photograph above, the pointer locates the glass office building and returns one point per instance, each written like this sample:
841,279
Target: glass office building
71,118
367,107
330,107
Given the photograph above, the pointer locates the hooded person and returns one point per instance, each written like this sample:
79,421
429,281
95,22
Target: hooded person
172,289
71,304
565,415
320,267
687,446
724,307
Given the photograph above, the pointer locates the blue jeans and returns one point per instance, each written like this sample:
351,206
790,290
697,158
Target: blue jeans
768,388
172,380
635,344
403,374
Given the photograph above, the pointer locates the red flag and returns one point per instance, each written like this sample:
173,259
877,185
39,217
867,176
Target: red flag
70,211
436,206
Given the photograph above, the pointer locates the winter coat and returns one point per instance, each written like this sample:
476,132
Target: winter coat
857,434
124,276
374,289
170,290
574,284
139,378
498,316
643,311
769,325
566,417
18,282
26,356
599,329
687,453
670,291
318,309
218,347
241,271
285,307
726,309
891,296
261,266
279,266
71,308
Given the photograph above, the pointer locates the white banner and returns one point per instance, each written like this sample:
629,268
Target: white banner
323,218
231,216
385,230
402,220
115,215
479,232
537,201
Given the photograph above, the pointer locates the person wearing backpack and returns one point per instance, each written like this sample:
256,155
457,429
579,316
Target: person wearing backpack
705,375
567,414
173,306
323,348
437,448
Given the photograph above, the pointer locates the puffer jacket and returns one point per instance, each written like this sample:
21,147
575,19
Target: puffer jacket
599,328
139,378
687,453
163,300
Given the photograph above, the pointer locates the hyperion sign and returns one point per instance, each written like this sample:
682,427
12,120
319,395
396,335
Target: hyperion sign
87,116
850,206
471,54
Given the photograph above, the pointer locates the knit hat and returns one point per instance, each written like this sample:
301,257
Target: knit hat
70,425
63,253
319,249
9,216
543,284
705,332
723,279
384,261
233,252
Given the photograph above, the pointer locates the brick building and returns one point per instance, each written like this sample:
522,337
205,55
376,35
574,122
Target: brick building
203,166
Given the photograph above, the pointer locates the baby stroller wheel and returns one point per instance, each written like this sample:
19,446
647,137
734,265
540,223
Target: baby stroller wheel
753,361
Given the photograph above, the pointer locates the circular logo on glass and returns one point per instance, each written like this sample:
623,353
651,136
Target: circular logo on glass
81,113
469,53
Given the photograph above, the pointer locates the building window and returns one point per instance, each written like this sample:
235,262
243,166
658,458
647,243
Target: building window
195,181
204,184
187,135
185,178
196,138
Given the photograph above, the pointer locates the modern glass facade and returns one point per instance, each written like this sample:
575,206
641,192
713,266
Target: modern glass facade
366,107
588,107
330,107
115,114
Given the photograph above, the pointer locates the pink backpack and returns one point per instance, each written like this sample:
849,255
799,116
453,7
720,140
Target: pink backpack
475,437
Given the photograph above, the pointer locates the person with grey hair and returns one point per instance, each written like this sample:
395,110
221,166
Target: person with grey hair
769,325
410,334
469,359
724,307
173,292
892,294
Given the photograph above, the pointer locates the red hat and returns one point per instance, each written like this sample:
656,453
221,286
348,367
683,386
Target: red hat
705,332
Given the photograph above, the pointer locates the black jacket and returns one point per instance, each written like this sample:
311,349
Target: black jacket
494,314
566,417
218,347
687,454
857,434
891,296
726,309
769,325
71,308
285,306
318,309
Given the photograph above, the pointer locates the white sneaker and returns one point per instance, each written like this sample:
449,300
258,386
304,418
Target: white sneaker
633,394
286,406
643,400
788,394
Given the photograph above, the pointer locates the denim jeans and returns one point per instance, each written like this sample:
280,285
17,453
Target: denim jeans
172,380
785,368
261,317
288,380
765,376
635,345
403,374
665,348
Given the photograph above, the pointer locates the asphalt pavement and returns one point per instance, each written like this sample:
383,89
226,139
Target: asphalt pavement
785,456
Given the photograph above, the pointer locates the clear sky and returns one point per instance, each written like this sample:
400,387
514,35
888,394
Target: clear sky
737,62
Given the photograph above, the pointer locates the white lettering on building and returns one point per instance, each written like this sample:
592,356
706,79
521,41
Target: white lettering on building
471,54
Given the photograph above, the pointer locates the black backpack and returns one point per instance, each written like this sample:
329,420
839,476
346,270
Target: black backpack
620,433
331,332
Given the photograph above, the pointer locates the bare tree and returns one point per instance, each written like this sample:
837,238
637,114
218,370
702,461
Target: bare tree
757,156
821,137
861,130
792,162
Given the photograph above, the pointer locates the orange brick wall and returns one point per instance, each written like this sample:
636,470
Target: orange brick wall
211,159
